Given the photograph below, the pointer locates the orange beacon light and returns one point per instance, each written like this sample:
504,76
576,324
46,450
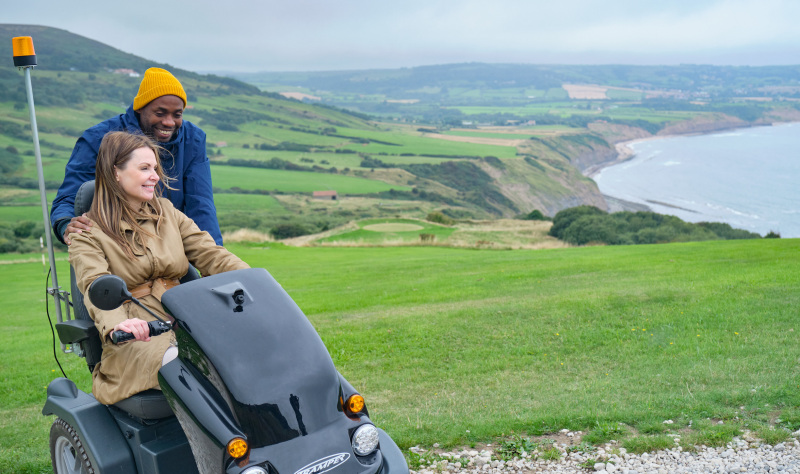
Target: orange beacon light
24,55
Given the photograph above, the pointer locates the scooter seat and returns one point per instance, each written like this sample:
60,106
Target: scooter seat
147,405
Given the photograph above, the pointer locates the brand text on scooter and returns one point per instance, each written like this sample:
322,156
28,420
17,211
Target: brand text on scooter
325,464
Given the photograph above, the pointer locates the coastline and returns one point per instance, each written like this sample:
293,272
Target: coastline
625,152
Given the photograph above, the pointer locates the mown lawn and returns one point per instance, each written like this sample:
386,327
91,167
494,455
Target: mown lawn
381,231
461,346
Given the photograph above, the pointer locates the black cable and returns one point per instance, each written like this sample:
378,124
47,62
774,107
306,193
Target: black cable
47,310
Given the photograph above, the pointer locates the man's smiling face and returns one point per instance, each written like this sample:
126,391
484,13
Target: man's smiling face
162,117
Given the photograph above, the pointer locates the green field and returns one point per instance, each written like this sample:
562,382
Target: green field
246,203
227,177
504,136
568,109
463,346
381,231
14,214
404,142
321,159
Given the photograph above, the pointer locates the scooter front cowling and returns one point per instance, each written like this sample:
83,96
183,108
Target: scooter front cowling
250,360
251,342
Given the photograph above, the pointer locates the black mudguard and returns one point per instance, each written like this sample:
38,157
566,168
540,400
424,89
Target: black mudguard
107,448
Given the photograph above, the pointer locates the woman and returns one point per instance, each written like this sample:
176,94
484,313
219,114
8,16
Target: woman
142,238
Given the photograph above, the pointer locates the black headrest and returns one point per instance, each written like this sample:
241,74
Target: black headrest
84,197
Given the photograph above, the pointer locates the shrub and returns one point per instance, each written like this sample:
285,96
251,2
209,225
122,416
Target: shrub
10,161
585,224
288,230
494,161
10,242
592,229
535,215
563,219
725,231
439,218
369,162
655,235
26,229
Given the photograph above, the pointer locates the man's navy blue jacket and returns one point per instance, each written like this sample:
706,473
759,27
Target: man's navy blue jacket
186,162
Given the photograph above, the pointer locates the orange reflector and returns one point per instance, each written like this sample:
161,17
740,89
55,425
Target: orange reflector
237,447
355,404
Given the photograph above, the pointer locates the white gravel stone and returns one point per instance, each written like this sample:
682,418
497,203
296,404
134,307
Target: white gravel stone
743,454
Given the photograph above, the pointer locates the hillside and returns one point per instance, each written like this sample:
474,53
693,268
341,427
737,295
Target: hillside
477,89
473,155
262,143
651,100
420,82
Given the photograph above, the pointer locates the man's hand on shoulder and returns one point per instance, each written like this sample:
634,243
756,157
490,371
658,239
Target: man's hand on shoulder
77,225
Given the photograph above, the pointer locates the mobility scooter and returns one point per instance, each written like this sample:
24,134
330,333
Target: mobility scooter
253,390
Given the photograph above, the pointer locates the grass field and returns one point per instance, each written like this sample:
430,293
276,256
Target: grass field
227,177
567,109
246,203
384,231
497,234
476,134
463,346
398,142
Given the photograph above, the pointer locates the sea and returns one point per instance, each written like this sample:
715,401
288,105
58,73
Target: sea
748,178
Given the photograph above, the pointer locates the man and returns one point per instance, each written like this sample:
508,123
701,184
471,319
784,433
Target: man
157,111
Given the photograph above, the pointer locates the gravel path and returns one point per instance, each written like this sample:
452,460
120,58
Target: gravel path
743,454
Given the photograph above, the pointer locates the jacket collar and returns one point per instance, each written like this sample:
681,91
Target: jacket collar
127,231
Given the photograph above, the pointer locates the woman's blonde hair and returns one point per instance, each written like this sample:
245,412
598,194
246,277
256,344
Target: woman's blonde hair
110,206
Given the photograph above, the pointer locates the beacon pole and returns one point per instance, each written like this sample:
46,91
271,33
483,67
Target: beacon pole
25,58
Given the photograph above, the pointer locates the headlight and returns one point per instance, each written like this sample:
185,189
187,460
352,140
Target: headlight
365,440
254,470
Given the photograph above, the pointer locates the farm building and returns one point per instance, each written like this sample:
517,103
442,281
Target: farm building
325,195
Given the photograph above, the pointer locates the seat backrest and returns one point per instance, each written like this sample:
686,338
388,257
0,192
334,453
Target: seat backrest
84,198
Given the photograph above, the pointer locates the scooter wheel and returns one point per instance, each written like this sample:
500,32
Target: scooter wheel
66,450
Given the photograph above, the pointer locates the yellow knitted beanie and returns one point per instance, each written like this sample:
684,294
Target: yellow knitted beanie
156,83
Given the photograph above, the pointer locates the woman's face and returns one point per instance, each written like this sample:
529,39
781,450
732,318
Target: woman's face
138,176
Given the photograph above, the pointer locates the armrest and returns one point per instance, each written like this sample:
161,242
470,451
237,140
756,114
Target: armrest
75,331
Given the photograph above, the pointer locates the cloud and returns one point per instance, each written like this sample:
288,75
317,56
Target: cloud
249,35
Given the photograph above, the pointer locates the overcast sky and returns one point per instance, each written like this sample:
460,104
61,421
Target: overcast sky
313,35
